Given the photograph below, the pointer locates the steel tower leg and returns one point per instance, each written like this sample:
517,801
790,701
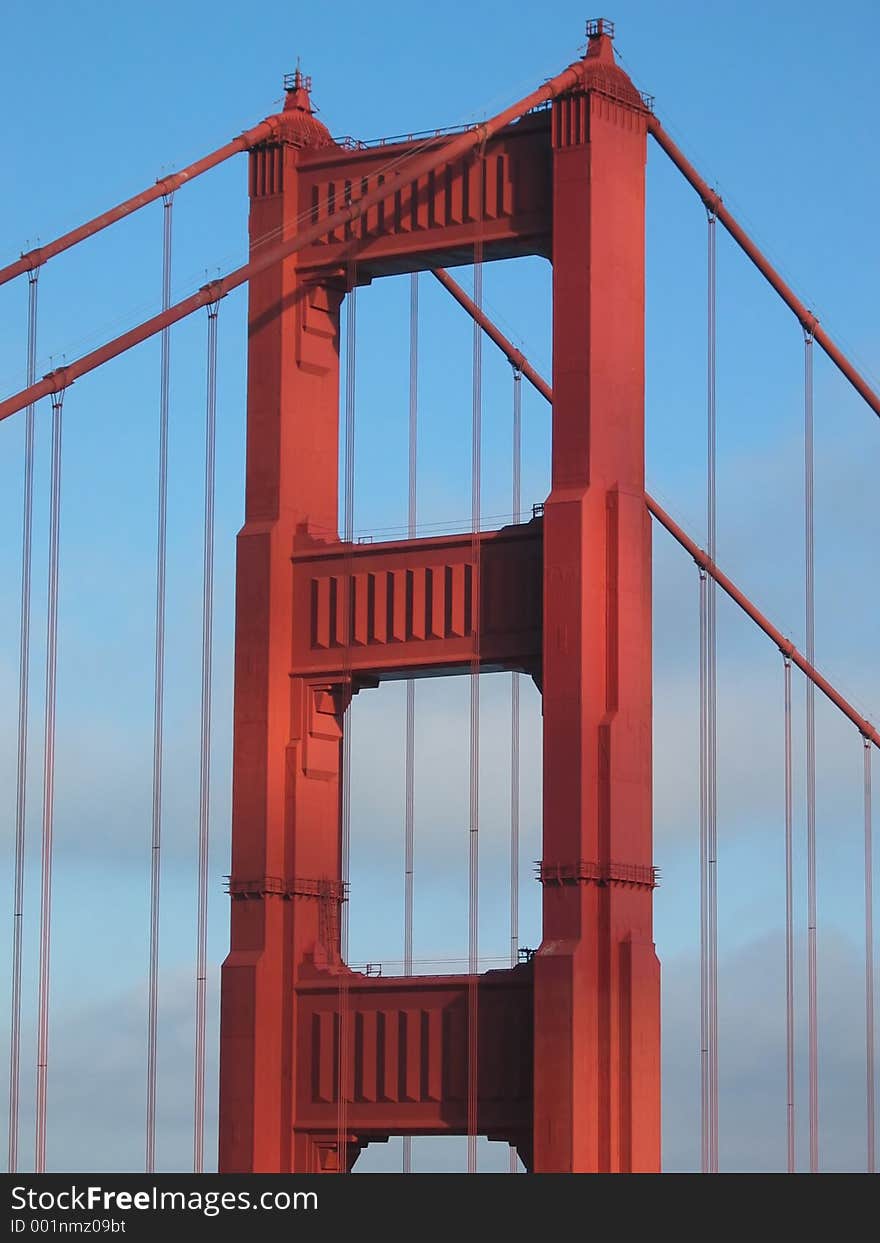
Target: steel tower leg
597,994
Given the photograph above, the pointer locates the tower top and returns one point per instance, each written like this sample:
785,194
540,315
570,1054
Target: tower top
301,126
298,88
602,72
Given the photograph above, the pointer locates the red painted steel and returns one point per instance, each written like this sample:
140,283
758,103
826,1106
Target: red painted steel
165,185
807,319
406,1060
408,201
312,612
514,356
502,197
522,364
864,726
597,982
381,610
413,165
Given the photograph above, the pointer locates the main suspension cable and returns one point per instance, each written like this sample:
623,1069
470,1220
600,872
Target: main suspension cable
448,151
869,963
205,749
409,759
23,704
680,536
48,789
789,929
708,566
158,693
810,773
806,318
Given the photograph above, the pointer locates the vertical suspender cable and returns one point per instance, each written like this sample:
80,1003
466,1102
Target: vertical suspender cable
345,779
48,787
516,499
21,772
869,964
789,931
158,690
810,775
348,536
409,778
704,891
711,721
474,833
205,752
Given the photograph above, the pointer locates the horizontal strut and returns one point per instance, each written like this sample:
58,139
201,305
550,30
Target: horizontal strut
410,170
165,185
808,320
517,360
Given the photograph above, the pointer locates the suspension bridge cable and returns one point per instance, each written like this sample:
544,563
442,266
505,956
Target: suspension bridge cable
810,773
516,504
158,693
516,499
163,187
705,1091
48,789
410,169
869,964
409,759
205,748
21,770
805,317
789,929
474,775
681,537
708,566
344,1052
265,131
711,707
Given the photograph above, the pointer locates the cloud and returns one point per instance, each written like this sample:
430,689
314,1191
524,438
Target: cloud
752,1076
97,1081
97,1072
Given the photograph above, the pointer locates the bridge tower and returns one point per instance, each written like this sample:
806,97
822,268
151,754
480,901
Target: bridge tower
569,1043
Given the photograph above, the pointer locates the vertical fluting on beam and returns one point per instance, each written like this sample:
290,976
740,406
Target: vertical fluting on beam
158,695
48,788
711,715
409,758
205,744
869,965
810,774
342,1076
21,769
789,929
474,782
516,504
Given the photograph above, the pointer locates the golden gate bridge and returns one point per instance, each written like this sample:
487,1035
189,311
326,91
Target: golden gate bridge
556,1053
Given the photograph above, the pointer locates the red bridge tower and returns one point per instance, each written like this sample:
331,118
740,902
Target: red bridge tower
569,1044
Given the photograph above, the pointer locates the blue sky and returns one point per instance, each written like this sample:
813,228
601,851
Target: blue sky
775,106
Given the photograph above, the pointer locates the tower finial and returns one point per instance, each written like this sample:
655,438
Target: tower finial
298,87
599,26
